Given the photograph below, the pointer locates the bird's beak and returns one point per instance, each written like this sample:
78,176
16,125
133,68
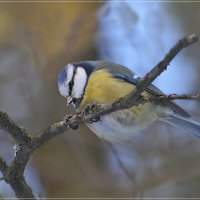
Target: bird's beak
69,100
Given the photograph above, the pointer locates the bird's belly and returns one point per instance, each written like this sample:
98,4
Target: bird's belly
111,130
123,124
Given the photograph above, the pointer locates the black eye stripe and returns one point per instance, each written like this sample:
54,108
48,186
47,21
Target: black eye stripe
71,83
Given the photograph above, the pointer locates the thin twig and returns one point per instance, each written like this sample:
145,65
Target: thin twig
162,98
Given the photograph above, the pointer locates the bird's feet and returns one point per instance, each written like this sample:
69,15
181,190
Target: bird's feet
89,110
66,121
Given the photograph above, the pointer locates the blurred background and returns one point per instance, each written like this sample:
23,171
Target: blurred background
37,39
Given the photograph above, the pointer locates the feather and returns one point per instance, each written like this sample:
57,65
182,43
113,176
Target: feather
152,89
184,124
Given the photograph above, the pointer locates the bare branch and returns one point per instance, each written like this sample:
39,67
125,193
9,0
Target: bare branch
3,166
129,175
163,98
13,174
21,189
17,132
48,134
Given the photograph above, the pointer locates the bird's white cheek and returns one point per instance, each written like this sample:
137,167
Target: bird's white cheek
64,90
80,80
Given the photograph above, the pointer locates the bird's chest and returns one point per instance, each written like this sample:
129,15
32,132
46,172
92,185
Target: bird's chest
103,88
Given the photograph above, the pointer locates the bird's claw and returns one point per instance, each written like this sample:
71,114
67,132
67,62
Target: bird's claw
90,109
93,120
16,148
66,122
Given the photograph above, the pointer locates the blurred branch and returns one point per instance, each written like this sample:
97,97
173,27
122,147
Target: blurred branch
26,144
128,174
157,179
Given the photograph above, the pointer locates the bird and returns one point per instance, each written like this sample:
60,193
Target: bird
104,82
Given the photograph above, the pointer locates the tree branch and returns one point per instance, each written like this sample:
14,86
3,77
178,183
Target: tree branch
17,132
3,166
14,176
161,99
26,143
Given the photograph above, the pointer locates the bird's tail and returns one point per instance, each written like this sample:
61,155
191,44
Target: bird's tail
185,124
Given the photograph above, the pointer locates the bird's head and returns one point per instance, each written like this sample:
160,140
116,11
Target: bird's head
72,80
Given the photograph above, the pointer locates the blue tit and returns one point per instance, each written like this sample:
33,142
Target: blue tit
103,82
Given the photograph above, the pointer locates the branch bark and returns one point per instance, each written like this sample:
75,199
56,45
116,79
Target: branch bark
17,132
26,143
160,99
14,176
3,166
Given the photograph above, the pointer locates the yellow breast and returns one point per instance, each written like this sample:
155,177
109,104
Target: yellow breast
103,88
